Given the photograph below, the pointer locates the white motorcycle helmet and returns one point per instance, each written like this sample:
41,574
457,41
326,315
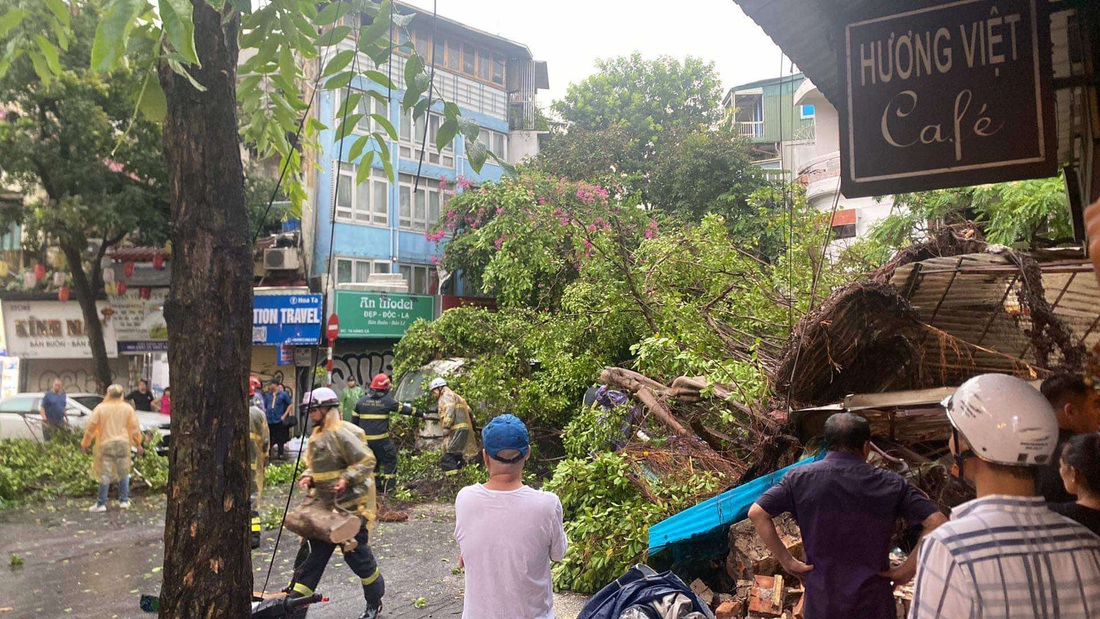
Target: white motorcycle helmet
320,398
1005,420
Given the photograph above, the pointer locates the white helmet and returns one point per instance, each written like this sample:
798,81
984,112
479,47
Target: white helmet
320,398
1005,420
436,384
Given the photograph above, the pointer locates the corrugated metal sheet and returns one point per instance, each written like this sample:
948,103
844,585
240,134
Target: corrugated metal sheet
972,301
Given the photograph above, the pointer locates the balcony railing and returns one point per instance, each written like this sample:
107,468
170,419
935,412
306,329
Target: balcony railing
751,129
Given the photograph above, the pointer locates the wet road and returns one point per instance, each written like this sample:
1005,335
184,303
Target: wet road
79,564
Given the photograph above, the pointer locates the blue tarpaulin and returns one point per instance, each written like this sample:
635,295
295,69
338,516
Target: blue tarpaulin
715,513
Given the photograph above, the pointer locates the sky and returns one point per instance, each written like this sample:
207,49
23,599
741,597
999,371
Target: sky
570,35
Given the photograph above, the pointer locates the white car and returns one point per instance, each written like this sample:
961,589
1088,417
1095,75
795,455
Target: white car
20,417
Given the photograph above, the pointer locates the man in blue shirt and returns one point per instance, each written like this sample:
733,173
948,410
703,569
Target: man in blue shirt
52,410
278,406
847,510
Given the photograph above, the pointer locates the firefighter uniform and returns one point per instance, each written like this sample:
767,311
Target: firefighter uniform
459,435
372,413
259,443
338,449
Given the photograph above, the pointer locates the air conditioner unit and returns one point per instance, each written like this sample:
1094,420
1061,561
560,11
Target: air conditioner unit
281,259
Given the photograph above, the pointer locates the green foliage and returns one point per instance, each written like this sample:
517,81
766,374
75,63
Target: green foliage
592,430
608,518
32,471
281,474
419,477
648,97
16,560
1025,214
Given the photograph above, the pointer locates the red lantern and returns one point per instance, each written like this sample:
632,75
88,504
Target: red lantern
63,293
158,261
145,292
128,269
121,288
39,272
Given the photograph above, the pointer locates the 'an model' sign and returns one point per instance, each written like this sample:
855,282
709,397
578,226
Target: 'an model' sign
952,95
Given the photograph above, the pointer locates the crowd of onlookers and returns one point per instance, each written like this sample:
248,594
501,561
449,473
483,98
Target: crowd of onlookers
1027,546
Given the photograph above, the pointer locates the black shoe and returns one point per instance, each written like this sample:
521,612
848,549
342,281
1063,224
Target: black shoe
372,612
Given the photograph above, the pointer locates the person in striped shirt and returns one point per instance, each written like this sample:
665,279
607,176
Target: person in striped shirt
1005,555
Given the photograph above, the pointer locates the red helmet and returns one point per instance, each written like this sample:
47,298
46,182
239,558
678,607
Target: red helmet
253,384
381,382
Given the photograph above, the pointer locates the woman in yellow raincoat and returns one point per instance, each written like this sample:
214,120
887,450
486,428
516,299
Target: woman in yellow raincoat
340,473
113,427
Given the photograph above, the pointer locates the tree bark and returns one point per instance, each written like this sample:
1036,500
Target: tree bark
207,562
87,292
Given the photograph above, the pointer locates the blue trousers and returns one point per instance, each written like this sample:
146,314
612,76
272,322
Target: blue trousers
123,490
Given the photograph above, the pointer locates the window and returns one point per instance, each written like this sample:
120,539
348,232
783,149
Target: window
421,42
412,136
422,278
845,231
498,70
358,271
484,65
807,111
469,59
17,405
419,211
454,56
495,141
367,204
368,104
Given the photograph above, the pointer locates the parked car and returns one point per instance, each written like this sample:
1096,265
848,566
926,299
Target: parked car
19,417
412,387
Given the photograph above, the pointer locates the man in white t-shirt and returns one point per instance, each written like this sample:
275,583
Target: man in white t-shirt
508,533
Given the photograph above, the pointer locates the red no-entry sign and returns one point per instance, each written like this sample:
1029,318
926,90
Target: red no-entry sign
333,328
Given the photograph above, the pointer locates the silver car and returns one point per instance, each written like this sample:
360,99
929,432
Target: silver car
20,417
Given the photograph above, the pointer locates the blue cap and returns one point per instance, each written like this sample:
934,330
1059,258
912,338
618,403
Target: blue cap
507,434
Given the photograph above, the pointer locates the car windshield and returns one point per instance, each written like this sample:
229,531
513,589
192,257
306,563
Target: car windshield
89,401
411,386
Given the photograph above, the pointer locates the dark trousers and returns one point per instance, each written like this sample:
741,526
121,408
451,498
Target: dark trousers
452,461
53,429
385,465
316,553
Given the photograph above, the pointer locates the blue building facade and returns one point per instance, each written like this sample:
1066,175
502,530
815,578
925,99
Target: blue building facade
381,226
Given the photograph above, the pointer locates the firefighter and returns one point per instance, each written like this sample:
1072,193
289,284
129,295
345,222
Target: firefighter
259,443
372,413
458,432
340,473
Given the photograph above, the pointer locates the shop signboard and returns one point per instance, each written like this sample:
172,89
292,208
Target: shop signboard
282,319
139,323
380,314
54,330
949,95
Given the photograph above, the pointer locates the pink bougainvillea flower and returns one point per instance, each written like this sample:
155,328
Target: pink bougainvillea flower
500,210
649,233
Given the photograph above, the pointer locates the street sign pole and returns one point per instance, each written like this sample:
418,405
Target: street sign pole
332,331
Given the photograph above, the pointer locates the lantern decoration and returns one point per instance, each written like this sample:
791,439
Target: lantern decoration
145,292
110,288
39,272
58,260
58,279
168,248
158,261
29,280
121,286
108,275
128,269
5,269
63,293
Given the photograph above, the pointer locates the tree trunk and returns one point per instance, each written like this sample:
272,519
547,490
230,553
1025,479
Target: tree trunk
207,562
87,292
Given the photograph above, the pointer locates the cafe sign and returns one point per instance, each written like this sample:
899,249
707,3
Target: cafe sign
380,314
54,330
945,96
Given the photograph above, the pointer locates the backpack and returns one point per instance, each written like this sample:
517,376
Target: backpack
643,593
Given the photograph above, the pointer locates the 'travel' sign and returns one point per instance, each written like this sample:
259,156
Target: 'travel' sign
951,95
380,314
282,319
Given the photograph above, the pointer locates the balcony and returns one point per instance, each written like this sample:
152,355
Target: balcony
751,129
